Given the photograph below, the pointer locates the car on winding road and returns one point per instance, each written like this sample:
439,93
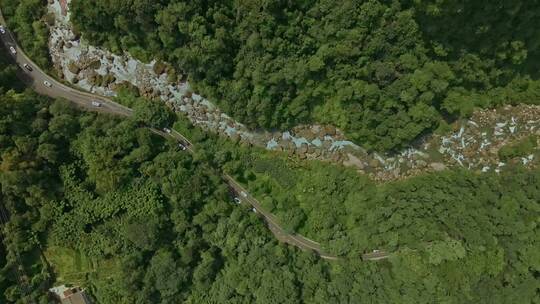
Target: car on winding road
12,50
28,67
2,29
47,84
96,103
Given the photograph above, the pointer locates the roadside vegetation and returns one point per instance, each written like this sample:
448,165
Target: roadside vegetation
385,72
28,20
152,113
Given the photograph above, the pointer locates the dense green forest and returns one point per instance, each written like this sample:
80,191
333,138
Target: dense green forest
102,202
384,71
99,201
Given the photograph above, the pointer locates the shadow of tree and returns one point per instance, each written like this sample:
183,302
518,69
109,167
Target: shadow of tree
504,32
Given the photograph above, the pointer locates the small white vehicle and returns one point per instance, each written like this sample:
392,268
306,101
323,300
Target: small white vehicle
237,200
167,130
96,103
47,84
28,67
2,30
182,147
254,210
12,50
243,194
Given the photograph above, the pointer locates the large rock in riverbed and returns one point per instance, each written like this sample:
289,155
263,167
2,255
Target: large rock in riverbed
329,130
74,68
93,64
303,148
374,163
438,166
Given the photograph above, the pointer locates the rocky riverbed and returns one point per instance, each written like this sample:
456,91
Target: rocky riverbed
473,144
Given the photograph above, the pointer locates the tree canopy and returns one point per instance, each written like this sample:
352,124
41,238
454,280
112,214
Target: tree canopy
385,72
158,226
27,19
152,113
105,203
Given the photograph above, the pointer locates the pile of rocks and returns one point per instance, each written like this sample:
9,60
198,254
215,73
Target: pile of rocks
477,142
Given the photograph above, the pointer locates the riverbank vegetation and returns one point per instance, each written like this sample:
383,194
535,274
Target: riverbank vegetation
385,72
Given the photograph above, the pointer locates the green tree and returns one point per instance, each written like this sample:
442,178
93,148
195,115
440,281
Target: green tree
152,113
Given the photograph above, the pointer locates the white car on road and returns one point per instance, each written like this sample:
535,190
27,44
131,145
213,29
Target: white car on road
237,200
243,194
12,50
47,84
96,103
167,130
2,30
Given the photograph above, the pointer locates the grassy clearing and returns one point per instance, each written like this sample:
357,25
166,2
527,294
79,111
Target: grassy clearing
70,266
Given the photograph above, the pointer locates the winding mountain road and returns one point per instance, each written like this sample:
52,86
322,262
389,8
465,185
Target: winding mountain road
36,80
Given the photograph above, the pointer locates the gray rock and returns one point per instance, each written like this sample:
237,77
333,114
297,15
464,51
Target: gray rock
291,145
373,163
438,166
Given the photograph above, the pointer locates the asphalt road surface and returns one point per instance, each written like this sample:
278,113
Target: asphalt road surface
36,80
